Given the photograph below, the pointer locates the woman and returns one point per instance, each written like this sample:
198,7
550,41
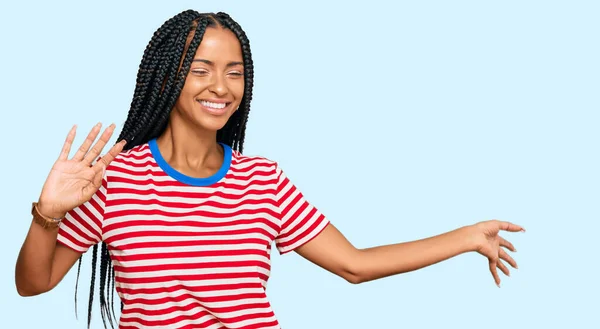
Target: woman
184,220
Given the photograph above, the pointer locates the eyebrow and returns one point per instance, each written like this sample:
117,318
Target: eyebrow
206,61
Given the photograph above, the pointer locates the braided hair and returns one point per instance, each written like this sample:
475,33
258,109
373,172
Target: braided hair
160,79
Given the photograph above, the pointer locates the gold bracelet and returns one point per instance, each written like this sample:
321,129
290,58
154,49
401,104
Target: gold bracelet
46,222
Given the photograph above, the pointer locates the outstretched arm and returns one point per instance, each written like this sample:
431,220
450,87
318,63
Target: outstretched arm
333,252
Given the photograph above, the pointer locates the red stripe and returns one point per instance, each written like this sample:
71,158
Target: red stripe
192,289
188,266
194,213
72,240
188,254
192,305
296,218
195,196
185,205
196,277
258,225
143,181
311,230
174,320
195,243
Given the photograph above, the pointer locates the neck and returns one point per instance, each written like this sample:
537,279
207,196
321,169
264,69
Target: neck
189,149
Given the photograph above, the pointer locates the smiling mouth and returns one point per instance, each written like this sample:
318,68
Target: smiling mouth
214,107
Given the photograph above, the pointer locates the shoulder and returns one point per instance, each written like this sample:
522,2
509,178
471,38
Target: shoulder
253,162
136,156
242,158
139,151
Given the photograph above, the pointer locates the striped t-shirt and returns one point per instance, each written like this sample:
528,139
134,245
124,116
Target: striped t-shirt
193,252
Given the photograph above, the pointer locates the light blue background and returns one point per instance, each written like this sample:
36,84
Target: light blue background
397,121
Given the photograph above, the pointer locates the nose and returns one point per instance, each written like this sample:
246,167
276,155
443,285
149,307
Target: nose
218,85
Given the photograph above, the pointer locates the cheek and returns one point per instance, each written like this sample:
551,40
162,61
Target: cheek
237,89
192,86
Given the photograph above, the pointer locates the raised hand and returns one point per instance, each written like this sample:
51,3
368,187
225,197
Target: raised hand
74,181
491,245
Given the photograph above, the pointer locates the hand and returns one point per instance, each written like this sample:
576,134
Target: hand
74,182
490,244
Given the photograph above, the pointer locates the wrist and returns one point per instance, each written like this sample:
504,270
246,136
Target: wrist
470,237
46,210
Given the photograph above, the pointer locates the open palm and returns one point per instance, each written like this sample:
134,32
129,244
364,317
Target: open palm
74,181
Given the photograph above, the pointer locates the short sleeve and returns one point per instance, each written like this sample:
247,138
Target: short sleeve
300,220
82,227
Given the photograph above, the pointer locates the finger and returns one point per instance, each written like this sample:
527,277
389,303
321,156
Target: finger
506,244
64,153
505,256
508,226
503,268
91,137
96,183
110,155
97,148
494,272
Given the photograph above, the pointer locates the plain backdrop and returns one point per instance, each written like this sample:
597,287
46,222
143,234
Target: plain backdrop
397,120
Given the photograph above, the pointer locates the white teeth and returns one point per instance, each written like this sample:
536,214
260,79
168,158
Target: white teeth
213,105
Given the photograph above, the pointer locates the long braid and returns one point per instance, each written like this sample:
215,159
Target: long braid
146,83
77,283
147,71
104,283
175,84
161,76
91,300
242,120
164,61
112,291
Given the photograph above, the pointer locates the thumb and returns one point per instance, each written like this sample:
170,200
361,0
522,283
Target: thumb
96,183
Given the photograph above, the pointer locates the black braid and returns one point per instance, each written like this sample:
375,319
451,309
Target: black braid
167,62
112,291
161,76
174,86
147,69
77,283
91,300
104,269
239,129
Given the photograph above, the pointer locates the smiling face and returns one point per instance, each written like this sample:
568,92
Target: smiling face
214,86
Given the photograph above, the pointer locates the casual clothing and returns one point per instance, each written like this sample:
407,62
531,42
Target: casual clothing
193,252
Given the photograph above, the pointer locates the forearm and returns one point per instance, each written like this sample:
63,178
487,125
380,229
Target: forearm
34,264
383,261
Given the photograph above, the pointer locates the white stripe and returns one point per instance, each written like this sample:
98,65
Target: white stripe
147,186
227,223
148,239
305,239
200,207
195,310
194,260
197,271
179,292
247,194
169,316
70,244
231,247
194,299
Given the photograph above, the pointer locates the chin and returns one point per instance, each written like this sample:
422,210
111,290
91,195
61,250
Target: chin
212,124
